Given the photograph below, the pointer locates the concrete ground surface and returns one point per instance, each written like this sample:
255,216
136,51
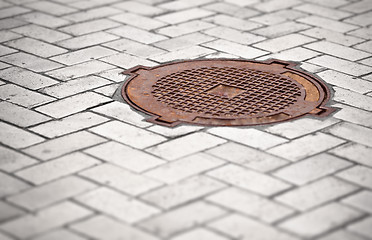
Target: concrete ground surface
76,164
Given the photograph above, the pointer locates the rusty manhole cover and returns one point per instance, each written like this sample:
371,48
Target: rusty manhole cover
225,92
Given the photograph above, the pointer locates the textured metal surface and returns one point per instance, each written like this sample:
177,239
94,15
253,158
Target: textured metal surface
225,92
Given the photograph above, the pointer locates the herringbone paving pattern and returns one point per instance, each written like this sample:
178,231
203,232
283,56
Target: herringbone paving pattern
76,164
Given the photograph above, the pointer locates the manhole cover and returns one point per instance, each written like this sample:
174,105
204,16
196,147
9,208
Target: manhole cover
225,92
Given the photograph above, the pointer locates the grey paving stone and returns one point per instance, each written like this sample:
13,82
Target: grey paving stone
108,90
45,195
26,78
124,156
74,104
6,51
332,36
284,42
235,49
122,112
360,201
249,180
139,21
50,8
8,211
62,145
137,34
103,227
12,160
88,40
341,234
59,234
20,116
353,133
362,227
22,96
30,62
358,7
233,22
117,205
366,46
13,11
320,220
69,124
128,134
354,152
9,23
174,132
185,15
298,128
199,233
134,48
346,81
184,167
352,98
91,14
57,168
323,11
306,146
182,192
17,137
96,25
114,74
180,5
338,50
330,3
83,55
230,8
258,207
75,86
184,28
248,157
121,179
233,35
251,137
269,19
186,53
43,19
359,175
41,33
361,20
3,66
36,47
239,226
312,168
49,218
316,193
139,8
186,145
86,4
11,185
364,32
280,29
273,5
182,218
184,41
328,24
124,60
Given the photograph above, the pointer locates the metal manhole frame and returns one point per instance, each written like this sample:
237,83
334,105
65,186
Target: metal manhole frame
320,110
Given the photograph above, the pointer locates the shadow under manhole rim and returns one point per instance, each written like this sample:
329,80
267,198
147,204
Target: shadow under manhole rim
225,92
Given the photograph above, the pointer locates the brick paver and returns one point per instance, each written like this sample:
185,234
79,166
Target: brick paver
76,164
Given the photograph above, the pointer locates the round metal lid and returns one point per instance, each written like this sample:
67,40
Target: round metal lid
225,92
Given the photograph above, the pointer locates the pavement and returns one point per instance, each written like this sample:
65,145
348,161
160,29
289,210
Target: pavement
77,164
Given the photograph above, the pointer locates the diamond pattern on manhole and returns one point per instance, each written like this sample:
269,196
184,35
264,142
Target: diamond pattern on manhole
225,92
